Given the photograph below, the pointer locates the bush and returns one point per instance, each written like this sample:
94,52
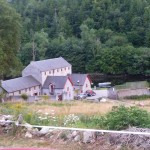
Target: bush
138,97
24,96
121,117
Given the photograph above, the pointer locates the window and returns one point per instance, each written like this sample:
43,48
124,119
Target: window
61,69
19,92
49,72
25,90
45,73
53,71
86,85
65,68
57,70
67,88
68,68
34,87
29,89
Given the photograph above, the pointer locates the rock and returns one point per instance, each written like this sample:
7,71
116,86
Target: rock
44,130
103,100
88,137
28,126
34,132
28,135
74,133
49,135
77,138
8,117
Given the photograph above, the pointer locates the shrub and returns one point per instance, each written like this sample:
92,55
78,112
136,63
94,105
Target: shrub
121,117
24,96
45,97
138,97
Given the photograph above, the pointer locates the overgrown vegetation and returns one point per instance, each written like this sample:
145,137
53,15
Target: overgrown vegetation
24,96
120,117
138,97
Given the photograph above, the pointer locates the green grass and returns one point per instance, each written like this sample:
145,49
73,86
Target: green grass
140,97
133,85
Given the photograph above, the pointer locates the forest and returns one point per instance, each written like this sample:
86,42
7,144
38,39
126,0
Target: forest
103,36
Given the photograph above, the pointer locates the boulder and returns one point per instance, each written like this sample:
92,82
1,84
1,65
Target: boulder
44,130
103,100
88,137
77,138
74,134
28,135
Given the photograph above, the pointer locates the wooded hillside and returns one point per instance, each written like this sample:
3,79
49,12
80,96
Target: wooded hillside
105,36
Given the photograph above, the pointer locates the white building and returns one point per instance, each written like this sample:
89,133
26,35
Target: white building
50,67
81,83
23,85
51,77
58,87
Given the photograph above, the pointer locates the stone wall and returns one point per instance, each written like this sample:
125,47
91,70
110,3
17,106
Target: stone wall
130,92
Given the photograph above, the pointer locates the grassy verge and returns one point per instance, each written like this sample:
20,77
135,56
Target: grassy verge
116,117
136,97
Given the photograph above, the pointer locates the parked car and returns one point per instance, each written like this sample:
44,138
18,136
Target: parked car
90,93
81,96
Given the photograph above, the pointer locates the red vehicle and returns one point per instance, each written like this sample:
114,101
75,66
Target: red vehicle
90,93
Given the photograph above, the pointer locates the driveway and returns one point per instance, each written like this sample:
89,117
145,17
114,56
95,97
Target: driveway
99,94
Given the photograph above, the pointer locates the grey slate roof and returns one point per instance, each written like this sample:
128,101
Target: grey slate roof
58,82
77,77
19,83
55,63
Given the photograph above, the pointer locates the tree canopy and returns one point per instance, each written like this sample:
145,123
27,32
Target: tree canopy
106,36
9,40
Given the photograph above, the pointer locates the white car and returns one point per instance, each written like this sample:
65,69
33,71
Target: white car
81,96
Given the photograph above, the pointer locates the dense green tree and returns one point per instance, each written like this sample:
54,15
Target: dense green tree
108,36
9,39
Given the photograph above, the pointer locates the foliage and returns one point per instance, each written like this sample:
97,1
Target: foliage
10,24
119,118
105,36
138,97
70,120
24,96
122,117
45,97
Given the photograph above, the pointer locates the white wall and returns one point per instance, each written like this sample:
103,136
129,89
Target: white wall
87,85
82,89
68,94
56,72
